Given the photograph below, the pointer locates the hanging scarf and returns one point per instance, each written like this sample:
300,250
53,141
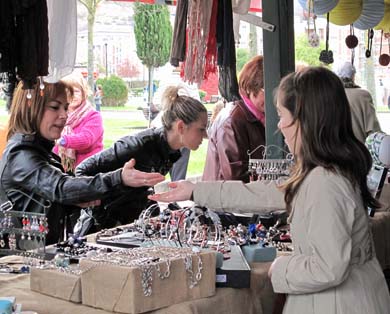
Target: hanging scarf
178,47
211,49
199,14
227,84
68,155
252,108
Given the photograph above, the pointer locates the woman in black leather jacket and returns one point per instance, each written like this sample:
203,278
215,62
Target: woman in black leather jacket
31,174
184,123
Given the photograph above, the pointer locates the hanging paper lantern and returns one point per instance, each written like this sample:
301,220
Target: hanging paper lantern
346,12
372,14
385,22
384,59
324,6
320,7
303,4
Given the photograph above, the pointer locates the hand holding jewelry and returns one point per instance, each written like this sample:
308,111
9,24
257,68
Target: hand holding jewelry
179,191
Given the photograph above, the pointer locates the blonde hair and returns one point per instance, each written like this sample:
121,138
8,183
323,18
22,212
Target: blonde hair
177,107
78,81
218,106
26,114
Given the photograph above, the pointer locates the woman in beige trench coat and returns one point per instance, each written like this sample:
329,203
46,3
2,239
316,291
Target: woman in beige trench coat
333,268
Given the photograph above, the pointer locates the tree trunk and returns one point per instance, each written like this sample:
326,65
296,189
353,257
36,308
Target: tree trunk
253,40
150,92
91,21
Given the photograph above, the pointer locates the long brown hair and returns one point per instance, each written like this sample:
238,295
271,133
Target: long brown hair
316,99
26,114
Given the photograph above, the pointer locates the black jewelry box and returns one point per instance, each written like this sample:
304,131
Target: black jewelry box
235,272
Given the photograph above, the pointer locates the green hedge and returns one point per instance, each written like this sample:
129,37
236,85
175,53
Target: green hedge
115,91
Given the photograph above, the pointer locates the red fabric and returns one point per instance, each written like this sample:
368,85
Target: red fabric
211,50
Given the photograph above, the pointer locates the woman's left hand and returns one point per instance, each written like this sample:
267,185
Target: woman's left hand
135,178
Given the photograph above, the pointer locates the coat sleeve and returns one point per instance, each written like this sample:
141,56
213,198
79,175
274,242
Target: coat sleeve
328,219
110,159
41,177
88,134
237,196
229,155
371,123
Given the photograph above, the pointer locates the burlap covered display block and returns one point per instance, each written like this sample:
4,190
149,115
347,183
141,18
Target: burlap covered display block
57,284
119,288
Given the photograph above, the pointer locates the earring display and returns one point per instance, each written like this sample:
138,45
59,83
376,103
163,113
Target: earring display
21,231
269,169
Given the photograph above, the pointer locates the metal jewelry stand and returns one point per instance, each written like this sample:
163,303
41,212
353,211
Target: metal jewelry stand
269,169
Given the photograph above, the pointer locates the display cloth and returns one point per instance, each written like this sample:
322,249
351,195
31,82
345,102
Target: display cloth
255,300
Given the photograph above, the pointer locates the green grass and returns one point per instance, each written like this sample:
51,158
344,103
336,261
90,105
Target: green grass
127,107
197,160
382,109
117,128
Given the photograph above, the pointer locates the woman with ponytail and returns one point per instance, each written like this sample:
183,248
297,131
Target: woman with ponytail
184,123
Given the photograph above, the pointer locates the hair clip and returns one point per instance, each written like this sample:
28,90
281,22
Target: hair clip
41,86
29,96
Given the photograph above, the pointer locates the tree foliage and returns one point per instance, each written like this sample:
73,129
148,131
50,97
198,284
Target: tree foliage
115,91
153,34
242,57
306,53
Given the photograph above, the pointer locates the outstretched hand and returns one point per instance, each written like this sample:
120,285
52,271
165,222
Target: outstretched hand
179,191
135,178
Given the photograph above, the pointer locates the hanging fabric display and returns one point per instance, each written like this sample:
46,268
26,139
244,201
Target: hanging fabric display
211,49
24,43
7,38
372,14
32,40
178,48
62,38
228,85
199,13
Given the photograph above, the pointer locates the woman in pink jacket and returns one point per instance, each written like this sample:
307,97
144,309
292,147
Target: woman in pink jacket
83,132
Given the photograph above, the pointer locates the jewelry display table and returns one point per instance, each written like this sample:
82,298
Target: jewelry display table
255,300
258,299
